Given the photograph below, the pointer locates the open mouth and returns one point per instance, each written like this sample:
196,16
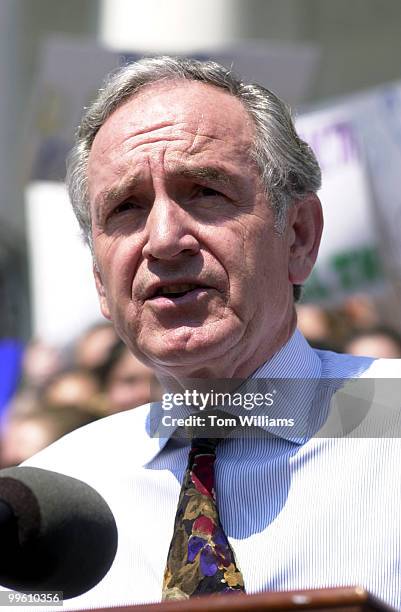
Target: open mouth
178,290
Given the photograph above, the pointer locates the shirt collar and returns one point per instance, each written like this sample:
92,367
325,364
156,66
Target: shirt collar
295,361
295,371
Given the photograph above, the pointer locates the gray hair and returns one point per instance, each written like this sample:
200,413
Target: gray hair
288,167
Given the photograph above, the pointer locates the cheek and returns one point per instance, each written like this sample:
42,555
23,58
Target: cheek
118,263
267,266
273,273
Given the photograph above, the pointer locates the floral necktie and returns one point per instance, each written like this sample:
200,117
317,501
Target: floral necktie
200,559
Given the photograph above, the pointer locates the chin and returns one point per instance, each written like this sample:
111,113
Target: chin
187,347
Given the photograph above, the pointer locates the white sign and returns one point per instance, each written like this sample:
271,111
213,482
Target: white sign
348,258
64,298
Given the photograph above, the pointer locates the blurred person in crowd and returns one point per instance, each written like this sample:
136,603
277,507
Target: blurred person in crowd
127,381
40,362
73,387
198,199
324,328
379,342
313,321
93,346
25,401
26,434
360,311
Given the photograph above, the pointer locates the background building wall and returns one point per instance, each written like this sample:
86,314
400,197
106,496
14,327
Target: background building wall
359,40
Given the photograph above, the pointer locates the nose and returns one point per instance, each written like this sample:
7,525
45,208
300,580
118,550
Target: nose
169,231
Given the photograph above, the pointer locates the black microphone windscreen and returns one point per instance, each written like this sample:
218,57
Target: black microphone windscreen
67,536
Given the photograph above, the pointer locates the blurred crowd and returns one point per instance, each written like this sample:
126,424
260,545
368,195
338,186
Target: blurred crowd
60,390
63,389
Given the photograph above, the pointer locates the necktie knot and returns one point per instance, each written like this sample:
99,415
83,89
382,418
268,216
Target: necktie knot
204,445
201,464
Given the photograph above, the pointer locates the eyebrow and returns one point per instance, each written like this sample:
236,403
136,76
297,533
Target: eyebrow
203,172
119,192
113,194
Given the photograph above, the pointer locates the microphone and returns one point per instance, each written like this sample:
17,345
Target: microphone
56,532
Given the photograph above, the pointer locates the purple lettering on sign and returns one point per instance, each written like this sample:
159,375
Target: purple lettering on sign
334,145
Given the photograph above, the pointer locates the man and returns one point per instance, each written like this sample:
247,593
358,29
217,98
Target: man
199,203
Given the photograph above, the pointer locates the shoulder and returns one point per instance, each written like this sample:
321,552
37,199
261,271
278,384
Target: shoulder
384,368
342,365
115,440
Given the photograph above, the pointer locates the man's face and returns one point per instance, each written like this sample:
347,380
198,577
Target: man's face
189,265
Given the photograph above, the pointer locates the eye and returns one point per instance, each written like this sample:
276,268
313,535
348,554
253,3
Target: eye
124,206
208,192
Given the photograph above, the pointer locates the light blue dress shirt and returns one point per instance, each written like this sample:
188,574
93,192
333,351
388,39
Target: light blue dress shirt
301,511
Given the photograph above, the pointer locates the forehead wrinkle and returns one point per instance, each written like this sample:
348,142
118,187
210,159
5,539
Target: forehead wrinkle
170,130
154,134
222,133
130,144
104,140
154,127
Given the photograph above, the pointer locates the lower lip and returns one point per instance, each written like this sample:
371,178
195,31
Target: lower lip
190,298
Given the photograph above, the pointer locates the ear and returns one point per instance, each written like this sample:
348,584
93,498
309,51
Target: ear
305,225
104,307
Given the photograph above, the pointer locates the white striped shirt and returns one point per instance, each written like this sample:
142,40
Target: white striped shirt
300,512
